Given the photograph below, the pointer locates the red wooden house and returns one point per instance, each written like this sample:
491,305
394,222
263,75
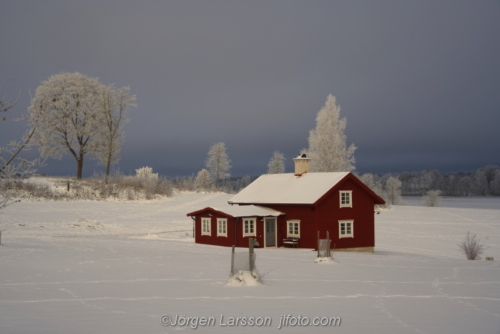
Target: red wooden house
233,225
277,208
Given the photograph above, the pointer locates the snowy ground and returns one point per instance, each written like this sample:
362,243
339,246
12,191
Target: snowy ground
118,267
458,202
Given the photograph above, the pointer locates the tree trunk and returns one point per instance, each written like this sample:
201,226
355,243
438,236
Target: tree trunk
79,167
108,167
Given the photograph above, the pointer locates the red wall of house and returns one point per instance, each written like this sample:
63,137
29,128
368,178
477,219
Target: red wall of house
329,212
325,216
304,213
228,241
213,239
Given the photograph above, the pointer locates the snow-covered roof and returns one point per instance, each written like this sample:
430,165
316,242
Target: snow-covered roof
243,210
288,188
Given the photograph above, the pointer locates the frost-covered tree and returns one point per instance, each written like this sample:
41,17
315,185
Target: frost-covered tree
495,184
11,163
393,190
481,183
203,180
5,105
484,178
276,164
218,163
114,104
432,197
67,113
371,183
147,180
327,142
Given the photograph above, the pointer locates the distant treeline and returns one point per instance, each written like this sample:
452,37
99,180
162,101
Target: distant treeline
230,185
484,182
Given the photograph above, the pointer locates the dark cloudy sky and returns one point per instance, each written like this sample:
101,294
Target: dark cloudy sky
418,81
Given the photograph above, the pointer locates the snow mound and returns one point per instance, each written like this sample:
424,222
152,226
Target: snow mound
244,278
324,260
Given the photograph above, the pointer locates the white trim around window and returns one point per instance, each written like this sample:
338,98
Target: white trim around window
249,227
206,226
293,229
346,229
345,197
221,227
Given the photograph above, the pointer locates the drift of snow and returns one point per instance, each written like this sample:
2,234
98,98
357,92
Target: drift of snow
244,278
323,260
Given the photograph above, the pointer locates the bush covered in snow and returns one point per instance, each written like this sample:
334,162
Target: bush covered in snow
146,173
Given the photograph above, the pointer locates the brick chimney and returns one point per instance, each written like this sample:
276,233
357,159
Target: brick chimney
301,164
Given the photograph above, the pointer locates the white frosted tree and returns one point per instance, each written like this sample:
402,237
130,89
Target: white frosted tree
218,163
67,114
11,162
203,181
481,183
393,190
114,104
327,142
371,183
495,184
432,197
276,164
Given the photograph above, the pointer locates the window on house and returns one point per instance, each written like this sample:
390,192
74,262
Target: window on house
249,227
293,230
346,228
346,198
205,226
221,227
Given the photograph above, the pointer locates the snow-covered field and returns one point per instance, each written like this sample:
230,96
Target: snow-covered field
459,202
118,267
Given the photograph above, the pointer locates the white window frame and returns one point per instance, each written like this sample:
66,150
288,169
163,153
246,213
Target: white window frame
253,222
293,234
206,224
222,222
346,223
346,204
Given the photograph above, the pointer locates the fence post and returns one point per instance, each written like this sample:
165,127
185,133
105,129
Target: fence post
328,242
1,237
250,253
317,244
232,261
